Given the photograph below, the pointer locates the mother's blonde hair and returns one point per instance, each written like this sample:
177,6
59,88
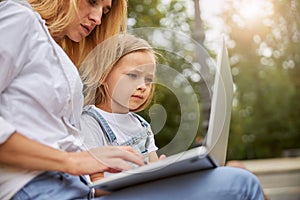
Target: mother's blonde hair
99,63
60,13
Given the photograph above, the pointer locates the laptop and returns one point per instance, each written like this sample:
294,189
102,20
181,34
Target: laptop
210,155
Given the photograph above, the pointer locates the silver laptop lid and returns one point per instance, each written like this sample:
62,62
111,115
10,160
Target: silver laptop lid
221,104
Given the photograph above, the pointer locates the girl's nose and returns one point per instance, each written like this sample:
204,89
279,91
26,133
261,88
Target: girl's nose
142,86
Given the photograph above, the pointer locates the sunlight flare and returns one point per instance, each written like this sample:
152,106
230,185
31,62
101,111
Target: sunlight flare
254,9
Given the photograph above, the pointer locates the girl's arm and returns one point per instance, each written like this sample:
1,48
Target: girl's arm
153,156
19,151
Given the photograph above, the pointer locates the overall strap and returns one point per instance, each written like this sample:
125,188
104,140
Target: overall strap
143,122
91,111
146,125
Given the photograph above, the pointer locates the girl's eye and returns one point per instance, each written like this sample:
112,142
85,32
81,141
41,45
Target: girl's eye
131,75
149,80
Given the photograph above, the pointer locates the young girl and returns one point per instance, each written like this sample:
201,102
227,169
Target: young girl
125,87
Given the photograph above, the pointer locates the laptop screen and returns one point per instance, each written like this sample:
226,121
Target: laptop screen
219,122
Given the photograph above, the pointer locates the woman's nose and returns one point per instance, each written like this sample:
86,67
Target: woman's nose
96,16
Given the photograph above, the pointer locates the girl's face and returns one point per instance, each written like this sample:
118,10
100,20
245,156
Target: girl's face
130,81
90,13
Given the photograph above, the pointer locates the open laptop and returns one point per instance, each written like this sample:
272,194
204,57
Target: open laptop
209,155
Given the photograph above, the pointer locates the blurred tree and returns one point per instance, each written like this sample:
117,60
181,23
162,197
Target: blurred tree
198,34
264,41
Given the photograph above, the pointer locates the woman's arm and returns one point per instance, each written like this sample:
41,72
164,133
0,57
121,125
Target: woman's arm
19,151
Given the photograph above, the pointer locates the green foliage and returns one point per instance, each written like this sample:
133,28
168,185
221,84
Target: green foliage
265,60
266,116
157,13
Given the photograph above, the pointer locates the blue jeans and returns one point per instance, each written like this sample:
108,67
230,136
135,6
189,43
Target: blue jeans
222,183
54,186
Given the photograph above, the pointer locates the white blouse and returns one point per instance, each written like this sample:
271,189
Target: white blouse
40,89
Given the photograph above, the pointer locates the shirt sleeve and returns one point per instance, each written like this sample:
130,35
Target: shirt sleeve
14,32
91,133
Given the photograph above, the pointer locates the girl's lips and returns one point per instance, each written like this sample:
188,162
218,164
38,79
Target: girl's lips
137,96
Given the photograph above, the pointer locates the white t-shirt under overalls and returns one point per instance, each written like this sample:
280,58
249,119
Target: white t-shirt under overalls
99,128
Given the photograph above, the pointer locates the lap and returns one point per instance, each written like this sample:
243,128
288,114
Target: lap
219,183
54,185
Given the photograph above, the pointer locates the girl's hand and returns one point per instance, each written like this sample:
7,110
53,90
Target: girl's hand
161,157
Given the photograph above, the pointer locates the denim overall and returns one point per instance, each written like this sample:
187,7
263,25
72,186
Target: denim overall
140,142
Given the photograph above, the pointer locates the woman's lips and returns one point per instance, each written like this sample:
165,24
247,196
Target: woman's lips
86,29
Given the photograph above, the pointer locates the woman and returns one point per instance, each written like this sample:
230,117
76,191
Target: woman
41,101
98,20
41,96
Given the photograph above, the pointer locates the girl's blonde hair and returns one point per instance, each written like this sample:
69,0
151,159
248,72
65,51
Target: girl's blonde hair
58,14
99,63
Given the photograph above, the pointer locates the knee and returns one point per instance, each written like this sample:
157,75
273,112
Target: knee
242,181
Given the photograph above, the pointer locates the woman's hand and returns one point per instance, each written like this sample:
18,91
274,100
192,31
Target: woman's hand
97,176
21,152
106,158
